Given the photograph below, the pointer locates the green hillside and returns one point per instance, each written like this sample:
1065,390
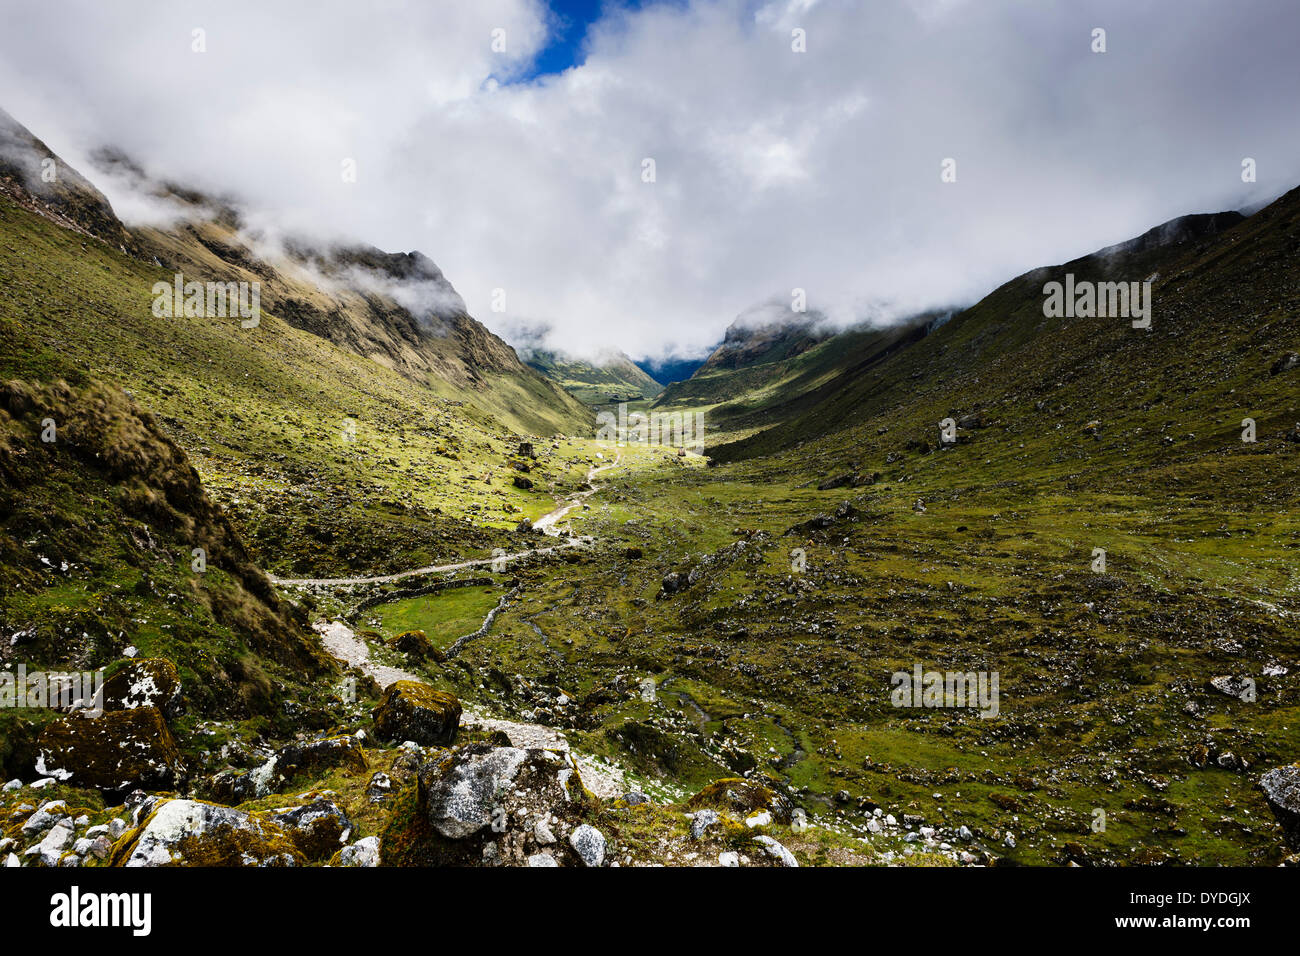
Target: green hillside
611,380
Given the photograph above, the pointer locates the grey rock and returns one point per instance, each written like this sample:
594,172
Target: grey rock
776,850
365,852
704,819
589,844
1281,787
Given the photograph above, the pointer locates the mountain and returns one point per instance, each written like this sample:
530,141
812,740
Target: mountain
991,357
32,176
668,371
396,309
611,377
765,375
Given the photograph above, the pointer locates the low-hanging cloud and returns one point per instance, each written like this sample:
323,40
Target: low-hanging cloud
773,169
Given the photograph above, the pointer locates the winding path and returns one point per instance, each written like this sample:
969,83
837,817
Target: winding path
545,523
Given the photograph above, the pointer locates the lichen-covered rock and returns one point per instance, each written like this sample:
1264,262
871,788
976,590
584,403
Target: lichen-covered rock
52,846
316,756
146,682
364,852
1281,787
312,758
744,797
776,850
409,710
589,844
116,751
195,833
482,804
317,829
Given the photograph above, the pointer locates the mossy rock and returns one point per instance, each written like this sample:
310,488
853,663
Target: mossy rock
744,797
416,645
117,751
409,710
149,682
317,756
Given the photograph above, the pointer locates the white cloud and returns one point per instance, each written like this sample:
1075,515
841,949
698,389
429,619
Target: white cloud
775,169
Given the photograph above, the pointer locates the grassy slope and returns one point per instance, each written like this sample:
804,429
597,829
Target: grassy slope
264,413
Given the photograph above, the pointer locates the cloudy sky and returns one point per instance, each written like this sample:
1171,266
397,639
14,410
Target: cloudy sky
522,168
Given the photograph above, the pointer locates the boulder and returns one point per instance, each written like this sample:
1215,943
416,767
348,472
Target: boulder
364,852
1281,787
1233,686
589,844
409,710
416,645
145,682
317,756
521,482
744,797
776,851
119,750
313,758
317,829
1284,364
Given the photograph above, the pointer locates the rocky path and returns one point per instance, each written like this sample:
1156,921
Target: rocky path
602,779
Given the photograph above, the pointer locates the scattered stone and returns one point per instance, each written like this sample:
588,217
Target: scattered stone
542,859
729,858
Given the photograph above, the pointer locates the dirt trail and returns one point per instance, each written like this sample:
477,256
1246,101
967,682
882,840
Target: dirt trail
546,523
339,640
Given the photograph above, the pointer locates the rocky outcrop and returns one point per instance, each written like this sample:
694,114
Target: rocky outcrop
314,758
194,833
744,797
489,805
